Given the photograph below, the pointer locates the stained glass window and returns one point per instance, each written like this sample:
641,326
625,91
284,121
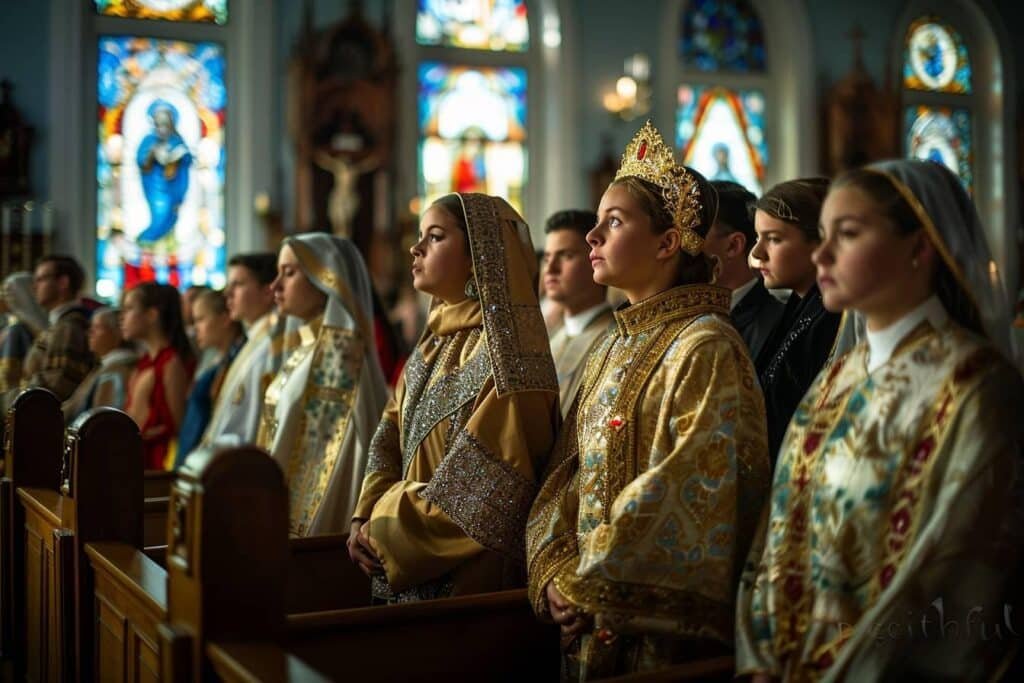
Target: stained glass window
498,25
159,163
214,11
722,35
943,135
935,58
721,133
473,131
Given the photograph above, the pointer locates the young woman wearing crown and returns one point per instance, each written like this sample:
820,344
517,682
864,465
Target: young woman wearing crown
650,500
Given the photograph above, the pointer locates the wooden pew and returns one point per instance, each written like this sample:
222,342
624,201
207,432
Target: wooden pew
31,455
100,497
234,581
211,637
129,587
156,488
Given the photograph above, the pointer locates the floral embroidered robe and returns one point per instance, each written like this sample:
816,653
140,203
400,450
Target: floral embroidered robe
895,519
655,487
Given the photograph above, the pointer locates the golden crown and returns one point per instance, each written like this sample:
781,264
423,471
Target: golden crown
648,157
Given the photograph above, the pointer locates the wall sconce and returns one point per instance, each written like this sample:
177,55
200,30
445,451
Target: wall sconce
632,95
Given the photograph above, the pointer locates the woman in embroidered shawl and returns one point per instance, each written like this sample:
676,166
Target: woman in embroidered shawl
895,515
454,464
637,538
321,408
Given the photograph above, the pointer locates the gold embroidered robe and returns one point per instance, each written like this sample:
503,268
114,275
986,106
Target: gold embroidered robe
656,485
453,468
894,523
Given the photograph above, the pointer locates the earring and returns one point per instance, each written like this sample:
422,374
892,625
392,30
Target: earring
470,290
913,263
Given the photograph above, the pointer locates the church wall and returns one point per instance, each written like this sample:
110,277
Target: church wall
607,31
288,23
25,61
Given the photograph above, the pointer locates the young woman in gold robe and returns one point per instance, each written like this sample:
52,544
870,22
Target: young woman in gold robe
894,530
637,538
454,464
321,408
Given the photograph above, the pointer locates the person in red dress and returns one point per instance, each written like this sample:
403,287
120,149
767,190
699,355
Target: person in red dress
158,387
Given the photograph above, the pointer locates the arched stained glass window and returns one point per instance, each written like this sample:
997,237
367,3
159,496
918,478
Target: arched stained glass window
499,25
938,97
721,106
720,132
935,58
472,98
160,163
473,130
722,35
211,11
942,135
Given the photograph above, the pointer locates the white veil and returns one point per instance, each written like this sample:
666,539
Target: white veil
949,216
338,270
17,292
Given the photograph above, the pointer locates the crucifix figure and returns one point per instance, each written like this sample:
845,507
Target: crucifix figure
343,201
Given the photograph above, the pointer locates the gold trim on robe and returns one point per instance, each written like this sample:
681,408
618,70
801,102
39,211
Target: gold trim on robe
655,486
453,465
895,508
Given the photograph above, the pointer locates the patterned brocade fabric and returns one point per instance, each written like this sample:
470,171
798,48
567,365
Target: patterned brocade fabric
483,495
894,510
454,463
506,275
385,450
652,495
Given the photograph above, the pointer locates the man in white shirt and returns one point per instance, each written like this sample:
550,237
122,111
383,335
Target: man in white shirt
250,301
568,280
755,312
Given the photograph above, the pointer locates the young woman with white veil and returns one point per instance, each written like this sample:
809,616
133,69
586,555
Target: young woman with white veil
321,409
895,514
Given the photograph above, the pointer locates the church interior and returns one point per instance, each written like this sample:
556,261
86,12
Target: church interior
163,140
329,111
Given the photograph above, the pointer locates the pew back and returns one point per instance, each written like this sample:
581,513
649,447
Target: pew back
31,454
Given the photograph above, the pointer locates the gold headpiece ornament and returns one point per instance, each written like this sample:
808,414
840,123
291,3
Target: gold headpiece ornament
648,157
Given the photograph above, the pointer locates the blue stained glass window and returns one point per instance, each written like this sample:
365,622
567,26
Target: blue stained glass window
942,135
722,35
472,131
160,163
498,25
935,58
210,11
721,133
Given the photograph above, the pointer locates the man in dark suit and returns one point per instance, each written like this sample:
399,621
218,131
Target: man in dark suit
755,311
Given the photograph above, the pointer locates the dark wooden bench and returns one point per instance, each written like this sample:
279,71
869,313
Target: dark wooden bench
483,636
31,455
132,625
99,498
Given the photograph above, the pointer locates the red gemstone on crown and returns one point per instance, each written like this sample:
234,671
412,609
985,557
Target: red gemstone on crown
642,152
616,423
